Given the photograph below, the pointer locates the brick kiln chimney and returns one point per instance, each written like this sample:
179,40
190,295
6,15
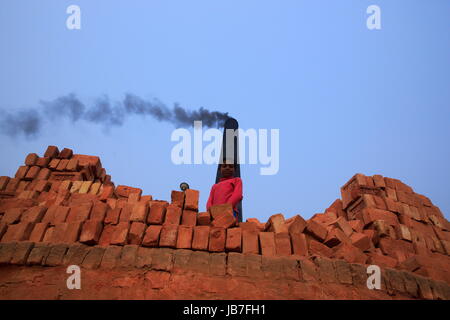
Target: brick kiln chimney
229,150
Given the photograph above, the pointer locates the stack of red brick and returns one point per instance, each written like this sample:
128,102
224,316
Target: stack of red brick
67,198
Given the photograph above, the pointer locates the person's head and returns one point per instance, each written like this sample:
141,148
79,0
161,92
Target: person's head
227,169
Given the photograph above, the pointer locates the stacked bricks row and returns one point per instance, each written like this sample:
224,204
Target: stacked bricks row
40,177
318,269
406,230
136,219
379,220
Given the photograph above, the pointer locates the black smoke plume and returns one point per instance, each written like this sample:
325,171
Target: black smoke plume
103,112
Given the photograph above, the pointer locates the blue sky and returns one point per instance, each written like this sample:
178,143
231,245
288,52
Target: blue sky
345,99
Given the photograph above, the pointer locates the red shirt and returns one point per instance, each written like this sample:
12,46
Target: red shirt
227,190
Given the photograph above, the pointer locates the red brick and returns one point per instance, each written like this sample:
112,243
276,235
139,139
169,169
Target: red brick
61,214
136,233
335,237
48,234
85,186
42,162
361,241
111,257
177,198
373,236
398,249
51,152
217,238
12,184
250,242
38,232
382,260
296,224
191,199
79,213
403,233
112,216
72,232
139,212
277,224
393,205
252,226
42,185
125,214
379,181
317,248
95,188
413,263
173,215
18,232
189,218
343,225
120,234
168,236
157,212
255,221
355,209
134,198
283,244
62,165
33,173
22,251
66,153
146,199
371,214
111,202
219,210
89,161
350,254
3,182
98,211
226,220
107,192
12,215
33,214
316,230
184,237
53,164
324,218
105,237
31,159
234,240
151,237
22,172
391,194
124,191
200,239
299,244
72,165
91,231
383,229
267,243
23,185
337,208
204,219
346,190
44,174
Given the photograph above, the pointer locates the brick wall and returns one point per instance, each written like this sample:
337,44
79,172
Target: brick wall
63,209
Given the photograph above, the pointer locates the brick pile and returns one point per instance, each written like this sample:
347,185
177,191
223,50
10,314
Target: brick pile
61,202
